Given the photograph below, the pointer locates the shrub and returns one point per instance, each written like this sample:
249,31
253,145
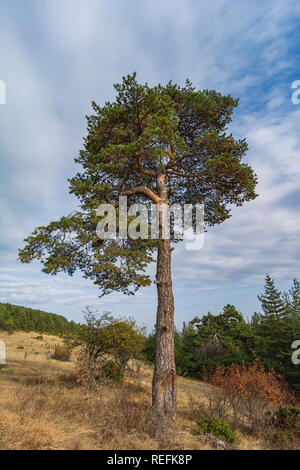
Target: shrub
250,392
103,335
9,326
61,353
287,418
113,371
216,426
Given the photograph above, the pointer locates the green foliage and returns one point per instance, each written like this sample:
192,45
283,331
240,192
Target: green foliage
271,300
276,328
287,418
216,426
170,130
105,335
28,319
269,336
235,341
9,325
112,371
286,422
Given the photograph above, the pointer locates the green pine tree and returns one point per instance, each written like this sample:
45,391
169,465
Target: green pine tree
276,329
160,145
272,301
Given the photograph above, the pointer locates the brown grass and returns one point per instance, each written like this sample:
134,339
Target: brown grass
43,407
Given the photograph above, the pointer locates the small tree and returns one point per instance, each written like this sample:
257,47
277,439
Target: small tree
107,337
163,145
271,300
9,325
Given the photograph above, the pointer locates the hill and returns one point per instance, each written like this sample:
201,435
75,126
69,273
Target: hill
28,319
43,407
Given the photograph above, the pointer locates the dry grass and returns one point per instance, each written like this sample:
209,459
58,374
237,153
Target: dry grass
43,407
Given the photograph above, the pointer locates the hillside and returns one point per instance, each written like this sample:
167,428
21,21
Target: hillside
43,407
29,319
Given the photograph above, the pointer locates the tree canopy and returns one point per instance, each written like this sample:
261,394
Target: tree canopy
173,130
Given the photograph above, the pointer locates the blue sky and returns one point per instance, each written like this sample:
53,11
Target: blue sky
56,56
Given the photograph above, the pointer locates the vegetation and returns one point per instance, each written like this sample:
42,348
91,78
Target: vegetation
248,392
108,344
61,353
163,145
14,317
216,426
225,339
44,407
105,335
276,328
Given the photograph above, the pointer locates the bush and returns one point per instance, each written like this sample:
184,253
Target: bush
61,353
216,426
286,423
103,335
9,326
112,371
249,392
287,418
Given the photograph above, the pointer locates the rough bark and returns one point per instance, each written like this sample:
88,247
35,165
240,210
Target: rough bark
164,377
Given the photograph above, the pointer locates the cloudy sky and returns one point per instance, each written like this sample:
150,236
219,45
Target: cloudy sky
56,56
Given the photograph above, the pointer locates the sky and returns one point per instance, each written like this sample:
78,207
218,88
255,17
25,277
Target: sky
56,56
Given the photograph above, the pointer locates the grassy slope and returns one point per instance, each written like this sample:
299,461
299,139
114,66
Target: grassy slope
42,407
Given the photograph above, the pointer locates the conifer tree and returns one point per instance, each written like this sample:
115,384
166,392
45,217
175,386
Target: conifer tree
276,329
158,145
271,300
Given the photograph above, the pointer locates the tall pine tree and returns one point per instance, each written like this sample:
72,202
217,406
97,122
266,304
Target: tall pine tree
159,145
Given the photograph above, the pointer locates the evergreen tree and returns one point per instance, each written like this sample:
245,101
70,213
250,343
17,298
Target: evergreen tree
272,300
276,329
163,145
292,300
235,341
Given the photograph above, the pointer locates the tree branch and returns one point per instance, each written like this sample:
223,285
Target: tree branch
145,192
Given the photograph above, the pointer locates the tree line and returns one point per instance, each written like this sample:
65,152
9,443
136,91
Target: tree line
15,317
227,338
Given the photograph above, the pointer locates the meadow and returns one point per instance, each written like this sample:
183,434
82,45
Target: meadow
42,405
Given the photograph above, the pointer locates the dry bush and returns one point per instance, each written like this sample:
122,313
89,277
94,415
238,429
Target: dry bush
61,353
246,394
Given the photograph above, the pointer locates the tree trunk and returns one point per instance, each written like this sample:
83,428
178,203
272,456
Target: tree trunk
164,377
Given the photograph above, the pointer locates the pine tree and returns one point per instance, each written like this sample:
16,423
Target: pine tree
163,145
292,300
277,328
271,301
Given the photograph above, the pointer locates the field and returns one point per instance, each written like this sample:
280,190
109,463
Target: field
43,407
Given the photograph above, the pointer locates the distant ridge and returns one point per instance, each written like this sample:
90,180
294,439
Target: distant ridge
29,319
